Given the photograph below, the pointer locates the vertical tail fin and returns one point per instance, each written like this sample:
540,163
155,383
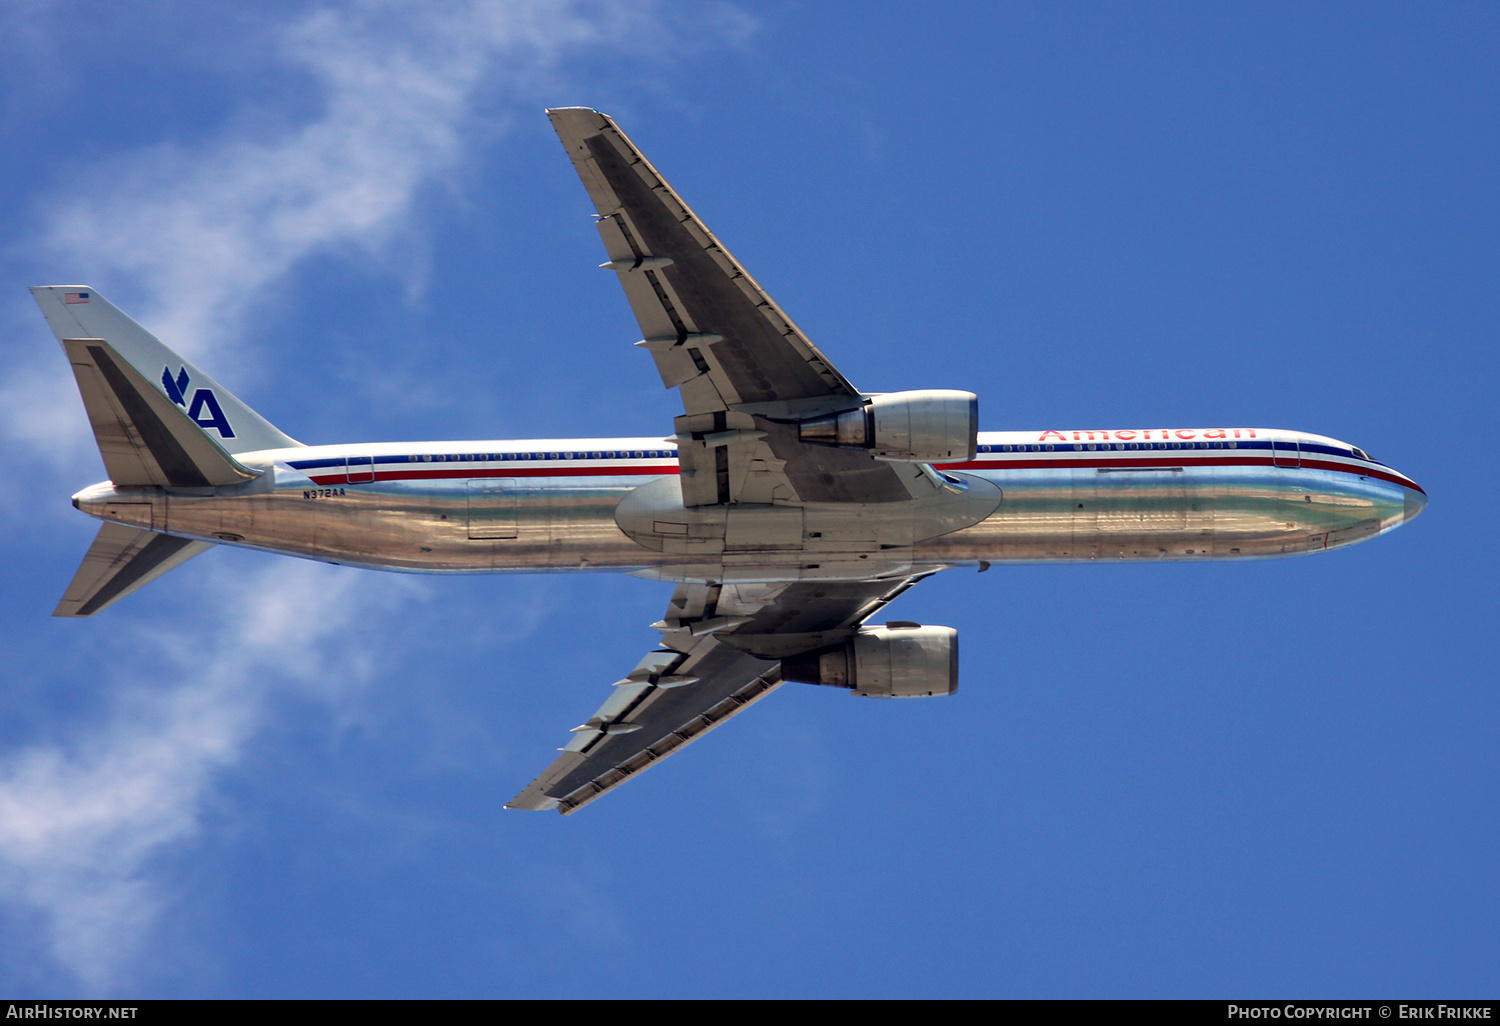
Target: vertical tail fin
77,312
144,438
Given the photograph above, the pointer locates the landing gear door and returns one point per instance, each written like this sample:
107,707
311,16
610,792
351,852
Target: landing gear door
492,508
1285,453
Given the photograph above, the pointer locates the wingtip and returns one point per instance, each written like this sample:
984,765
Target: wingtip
521,803
571,120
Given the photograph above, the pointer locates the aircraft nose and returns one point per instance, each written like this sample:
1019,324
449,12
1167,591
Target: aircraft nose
1416,502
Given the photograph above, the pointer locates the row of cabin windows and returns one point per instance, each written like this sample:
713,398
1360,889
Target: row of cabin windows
1091,447
498,457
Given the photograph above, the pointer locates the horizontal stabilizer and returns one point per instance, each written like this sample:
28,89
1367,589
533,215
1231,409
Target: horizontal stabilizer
144,437
121,560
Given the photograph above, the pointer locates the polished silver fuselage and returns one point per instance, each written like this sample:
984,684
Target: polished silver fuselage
487,507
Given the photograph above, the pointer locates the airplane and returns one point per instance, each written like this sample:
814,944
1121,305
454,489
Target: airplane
787,506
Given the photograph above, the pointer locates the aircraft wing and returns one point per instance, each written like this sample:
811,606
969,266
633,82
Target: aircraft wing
745,371
721,651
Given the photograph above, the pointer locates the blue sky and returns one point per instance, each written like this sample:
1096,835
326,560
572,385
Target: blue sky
262,777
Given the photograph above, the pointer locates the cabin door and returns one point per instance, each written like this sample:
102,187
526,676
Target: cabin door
1285,454
361,469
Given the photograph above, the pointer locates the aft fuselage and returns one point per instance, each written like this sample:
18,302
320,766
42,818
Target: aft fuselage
550,505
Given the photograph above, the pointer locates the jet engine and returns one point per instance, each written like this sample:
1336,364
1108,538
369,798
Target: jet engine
899,660
926,426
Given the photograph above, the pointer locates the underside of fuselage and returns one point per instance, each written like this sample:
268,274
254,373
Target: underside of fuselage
447,508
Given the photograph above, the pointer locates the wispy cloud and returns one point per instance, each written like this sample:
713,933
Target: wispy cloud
198,231
80,820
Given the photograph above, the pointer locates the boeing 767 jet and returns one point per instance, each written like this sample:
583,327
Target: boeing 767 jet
787,506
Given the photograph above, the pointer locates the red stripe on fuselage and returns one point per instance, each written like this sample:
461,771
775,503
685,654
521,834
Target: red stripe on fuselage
476,472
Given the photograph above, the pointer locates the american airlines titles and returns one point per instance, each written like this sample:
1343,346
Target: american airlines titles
1161,434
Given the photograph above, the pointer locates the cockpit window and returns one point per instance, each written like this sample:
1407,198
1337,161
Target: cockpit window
1361,453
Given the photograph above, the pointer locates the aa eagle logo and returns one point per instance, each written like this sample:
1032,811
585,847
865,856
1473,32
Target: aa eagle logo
204,409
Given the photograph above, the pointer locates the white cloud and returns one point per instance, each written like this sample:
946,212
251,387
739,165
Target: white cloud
207,228
201,230
80,820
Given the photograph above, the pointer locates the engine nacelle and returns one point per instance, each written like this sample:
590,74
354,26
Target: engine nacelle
926,426
895,661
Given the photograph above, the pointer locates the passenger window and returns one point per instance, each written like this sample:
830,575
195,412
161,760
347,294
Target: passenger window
1234,445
